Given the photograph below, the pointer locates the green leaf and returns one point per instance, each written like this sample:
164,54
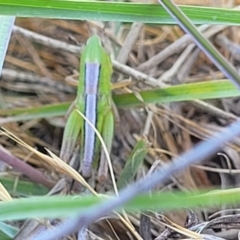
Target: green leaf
4,236
133,163
55,206
7,232
6,24
114,11
23,188
184,92
45,111
59,206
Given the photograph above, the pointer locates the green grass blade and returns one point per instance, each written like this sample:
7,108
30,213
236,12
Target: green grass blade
59,206
114,11
4,236
6,24
134,162
22,188
45,111
184,92
177,200
45,206
7,232
177,93
203,43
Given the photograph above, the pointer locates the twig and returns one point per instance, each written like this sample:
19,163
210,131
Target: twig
46,41
176,46
24,168
129,42
232,47
10,74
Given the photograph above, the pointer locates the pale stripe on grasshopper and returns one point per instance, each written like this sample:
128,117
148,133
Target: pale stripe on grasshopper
91,85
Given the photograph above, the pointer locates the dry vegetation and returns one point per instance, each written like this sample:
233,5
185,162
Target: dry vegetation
40,75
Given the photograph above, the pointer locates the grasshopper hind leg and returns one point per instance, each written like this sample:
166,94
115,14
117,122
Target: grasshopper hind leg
70,136
107,134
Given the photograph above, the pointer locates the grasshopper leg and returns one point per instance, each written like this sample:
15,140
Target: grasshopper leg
70,136
107,134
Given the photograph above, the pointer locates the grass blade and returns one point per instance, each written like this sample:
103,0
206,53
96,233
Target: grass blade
6,24
23,188
184,92
133,163
114,11
202,42
7,231
58,206
177,93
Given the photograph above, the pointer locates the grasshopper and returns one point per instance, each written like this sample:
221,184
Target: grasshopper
94,101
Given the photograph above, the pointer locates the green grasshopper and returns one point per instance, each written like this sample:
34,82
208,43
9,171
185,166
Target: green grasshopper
94,100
